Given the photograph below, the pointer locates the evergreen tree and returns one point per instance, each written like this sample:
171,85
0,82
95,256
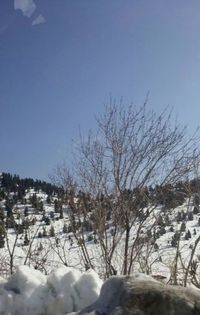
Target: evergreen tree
179,217
65,228
39,234
26,223
56,206
47,221
44,234
34,201
2,234
20,228
190,216
48,200
183,227
90,238
167,220
40,248
160,221
10,221
183,215
2,241
187,235
52,215
61,212
196,200
162,230
156,247
26,240
2,214
196,210
40,206
8,207
175,239
26,211
52,231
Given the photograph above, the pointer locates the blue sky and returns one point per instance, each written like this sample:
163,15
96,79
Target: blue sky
61,59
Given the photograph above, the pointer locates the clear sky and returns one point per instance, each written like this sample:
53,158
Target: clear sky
61,59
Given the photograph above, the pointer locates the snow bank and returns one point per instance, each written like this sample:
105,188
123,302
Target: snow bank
29,292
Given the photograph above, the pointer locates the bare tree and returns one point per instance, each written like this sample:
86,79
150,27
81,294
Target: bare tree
131,149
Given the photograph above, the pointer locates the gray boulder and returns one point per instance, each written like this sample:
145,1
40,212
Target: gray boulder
142,295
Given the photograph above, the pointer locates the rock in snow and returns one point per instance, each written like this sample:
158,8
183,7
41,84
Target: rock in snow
144,296
65,290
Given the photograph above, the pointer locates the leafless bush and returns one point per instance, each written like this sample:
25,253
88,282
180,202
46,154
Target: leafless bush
131,149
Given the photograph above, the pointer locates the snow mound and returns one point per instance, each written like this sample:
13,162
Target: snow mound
29,292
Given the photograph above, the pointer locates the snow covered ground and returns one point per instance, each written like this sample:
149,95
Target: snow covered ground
65,290
47,253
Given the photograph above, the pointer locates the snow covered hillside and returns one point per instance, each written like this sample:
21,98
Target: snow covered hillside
41,232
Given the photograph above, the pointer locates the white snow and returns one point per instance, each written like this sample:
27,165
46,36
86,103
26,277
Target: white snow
29,292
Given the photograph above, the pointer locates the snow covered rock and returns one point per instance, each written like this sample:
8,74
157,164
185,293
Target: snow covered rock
71,290
144,296
29,292
24,293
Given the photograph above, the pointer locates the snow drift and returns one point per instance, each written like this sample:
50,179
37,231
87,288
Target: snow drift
65,290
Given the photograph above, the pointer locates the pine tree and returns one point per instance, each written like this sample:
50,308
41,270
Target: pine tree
167,220
34,201
52,215
179,217
48,200
2,241
65,228
47,221
26,240
190,216
2,234
9,209
40,248
10,221
90,237
175,239
2,214
26,211
183,227
20,228
61,212
196,200
44,234
39,234
196,209
162,230
160,221
52,231
56,206
156,247
188,235
40,206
